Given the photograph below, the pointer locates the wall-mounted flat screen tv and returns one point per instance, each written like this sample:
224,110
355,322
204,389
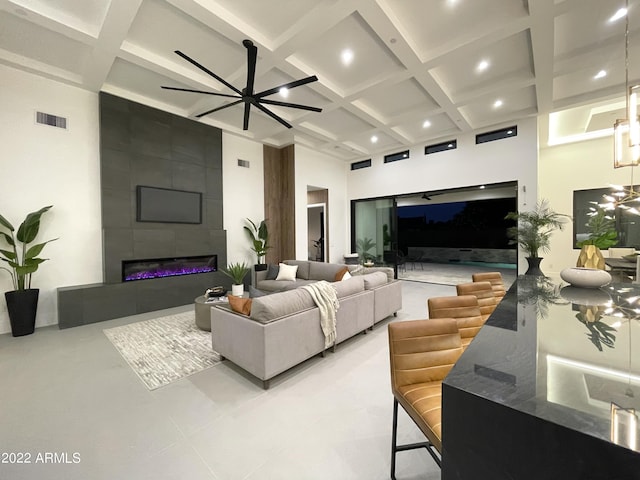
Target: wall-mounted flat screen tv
165,205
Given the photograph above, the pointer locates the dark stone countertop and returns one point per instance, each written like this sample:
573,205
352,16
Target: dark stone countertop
561,354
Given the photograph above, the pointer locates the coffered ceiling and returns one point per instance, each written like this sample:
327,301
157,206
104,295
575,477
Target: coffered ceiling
415,76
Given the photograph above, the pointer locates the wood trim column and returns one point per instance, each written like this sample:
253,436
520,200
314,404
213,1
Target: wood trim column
280,202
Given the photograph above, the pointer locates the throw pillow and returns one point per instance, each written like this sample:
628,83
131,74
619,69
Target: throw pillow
341,274
346,276
239,304
287,272
272,272
255,293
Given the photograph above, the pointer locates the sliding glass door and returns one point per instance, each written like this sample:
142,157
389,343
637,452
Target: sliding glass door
373,228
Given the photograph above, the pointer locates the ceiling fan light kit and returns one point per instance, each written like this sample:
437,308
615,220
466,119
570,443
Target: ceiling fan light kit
247,94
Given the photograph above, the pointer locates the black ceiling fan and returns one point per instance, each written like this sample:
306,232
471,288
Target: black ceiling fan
247,94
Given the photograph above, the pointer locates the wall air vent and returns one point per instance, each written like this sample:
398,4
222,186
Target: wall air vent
362,164
394,157
51,120
441,147
244,163
497,134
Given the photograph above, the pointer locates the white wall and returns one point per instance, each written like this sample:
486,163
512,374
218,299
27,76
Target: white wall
319,170
512,159
243,193
43,165
565,168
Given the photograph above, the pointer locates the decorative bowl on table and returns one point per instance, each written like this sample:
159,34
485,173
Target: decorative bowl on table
631,258
585,277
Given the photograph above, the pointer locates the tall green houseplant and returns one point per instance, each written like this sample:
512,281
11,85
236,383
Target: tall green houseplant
533,232
259,236
22,261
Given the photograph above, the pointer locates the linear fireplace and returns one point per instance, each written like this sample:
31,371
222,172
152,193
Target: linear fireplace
167,267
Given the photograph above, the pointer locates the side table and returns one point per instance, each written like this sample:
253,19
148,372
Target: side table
203,311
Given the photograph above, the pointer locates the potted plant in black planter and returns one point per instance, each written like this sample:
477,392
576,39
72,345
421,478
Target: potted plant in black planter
533,232
259,236
22,261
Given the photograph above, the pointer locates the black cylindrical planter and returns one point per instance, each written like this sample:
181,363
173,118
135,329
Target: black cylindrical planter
534,266
22,306
260,267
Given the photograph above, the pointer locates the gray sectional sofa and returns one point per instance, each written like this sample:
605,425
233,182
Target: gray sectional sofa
284,330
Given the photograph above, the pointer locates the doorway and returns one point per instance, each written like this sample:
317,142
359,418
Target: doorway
316,228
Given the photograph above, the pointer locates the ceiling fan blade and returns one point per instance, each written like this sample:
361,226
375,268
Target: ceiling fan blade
245,122
219,108
290,105
207,71
290,85
199,91
252,55
272,115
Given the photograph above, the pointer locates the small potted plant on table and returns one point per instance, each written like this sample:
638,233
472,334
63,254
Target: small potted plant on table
602,235
237,272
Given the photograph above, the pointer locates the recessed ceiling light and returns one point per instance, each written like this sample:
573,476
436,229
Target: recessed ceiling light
509,132
426,124
482,66
600,74
618,15
482,187
284,92
374,139
497,104
450,145
347,57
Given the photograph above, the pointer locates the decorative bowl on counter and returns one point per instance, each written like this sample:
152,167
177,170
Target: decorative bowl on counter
585,277
630,258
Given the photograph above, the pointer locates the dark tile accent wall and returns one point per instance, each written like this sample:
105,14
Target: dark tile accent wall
140,145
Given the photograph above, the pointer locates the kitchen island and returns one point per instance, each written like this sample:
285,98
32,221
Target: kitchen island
549,388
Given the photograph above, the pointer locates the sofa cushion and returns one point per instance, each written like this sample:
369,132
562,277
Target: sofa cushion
255,293
349,287
375,279
303,268
272,272
272,307
388,271
324,271
239,304
287,272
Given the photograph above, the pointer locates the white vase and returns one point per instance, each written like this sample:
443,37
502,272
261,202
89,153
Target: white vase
237,290
585,277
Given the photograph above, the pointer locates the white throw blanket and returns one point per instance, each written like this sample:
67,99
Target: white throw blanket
324,294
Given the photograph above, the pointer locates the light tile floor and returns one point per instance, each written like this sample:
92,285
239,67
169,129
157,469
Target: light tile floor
68,391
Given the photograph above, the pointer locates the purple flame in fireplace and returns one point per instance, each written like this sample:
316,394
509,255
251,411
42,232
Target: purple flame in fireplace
167,267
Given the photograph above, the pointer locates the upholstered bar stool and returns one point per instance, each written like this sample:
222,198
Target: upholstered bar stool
464,309
495,278
483,292
421,354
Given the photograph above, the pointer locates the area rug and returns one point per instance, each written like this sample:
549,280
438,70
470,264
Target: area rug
165,349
